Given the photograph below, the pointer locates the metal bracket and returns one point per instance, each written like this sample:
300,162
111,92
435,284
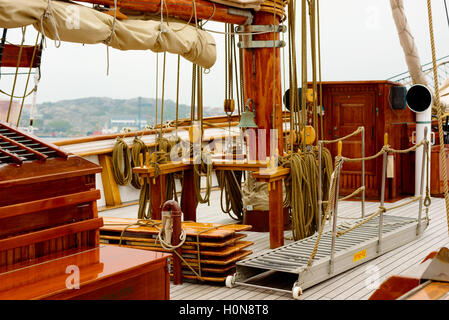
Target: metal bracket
246,37
250,44
264,28
242,13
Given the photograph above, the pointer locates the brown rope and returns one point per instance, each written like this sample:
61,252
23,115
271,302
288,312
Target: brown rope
439,111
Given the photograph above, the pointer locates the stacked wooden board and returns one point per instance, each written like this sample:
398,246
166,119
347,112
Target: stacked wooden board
220,246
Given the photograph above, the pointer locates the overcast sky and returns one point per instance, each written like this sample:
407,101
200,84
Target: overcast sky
359,42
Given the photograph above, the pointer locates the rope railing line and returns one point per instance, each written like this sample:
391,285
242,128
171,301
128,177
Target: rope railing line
375,214
416,146
385,149
356,192
328,214
356,132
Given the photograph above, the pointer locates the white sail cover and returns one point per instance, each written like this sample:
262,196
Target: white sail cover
76,23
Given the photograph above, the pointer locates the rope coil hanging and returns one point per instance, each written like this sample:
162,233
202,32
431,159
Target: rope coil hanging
139,147
121,162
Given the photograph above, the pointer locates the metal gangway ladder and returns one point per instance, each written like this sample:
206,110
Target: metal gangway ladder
299,265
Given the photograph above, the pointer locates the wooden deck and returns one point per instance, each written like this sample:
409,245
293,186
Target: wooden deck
355,284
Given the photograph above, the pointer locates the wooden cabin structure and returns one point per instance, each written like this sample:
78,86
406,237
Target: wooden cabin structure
49,228
349,105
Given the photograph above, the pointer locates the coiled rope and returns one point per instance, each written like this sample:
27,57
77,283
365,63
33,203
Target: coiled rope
139,147
231,190
302,192
121,162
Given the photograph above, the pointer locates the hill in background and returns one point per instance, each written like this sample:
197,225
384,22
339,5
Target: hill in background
81,117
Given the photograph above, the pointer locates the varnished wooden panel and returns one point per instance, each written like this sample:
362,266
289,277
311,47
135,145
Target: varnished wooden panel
104,274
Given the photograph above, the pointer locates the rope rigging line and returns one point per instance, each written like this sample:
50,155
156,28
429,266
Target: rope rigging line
19,58
439,111
28,79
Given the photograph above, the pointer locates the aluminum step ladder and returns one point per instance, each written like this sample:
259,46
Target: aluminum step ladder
286,269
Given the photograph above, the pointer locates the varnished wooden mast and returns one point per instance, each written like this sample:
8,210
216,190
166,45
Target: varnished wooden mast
260,81
205,10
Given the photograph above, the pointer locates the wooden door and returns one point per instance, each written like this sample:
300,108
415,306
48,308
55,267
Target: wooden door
350,112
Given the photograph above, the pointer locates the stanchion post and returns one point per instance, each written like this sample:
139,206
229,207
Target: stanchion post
173,207
363,172
382,195
335,211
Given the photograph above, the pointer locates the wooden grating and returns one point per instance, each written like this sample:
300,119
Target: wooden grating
17,146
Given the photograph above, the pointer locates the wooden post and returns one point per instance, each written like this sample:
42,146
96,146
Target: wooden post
157,196
276,218
175,211
261,81
110,187
188,197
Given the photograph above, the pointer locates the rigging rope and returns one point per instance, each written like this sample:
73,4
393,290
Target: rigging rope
439,111
28,78
19,58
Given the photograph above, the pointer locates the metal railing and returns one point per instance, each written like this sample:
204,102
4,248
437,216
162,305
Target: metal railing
360,130
382,210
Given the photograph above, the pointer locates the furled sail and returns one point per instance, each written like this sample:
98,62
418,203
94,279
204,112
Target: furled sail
408,43
76,23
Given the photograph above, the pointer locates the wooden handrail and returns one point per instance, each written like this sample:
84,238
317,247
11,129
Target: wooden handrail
49,203
184,126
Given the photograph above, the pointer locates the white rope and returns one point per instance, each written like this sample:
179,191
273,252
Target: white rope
108,39
167,245
48,15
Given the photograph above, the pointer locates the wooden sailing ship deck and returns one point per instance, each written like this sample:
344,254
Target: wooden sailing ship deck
356,284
